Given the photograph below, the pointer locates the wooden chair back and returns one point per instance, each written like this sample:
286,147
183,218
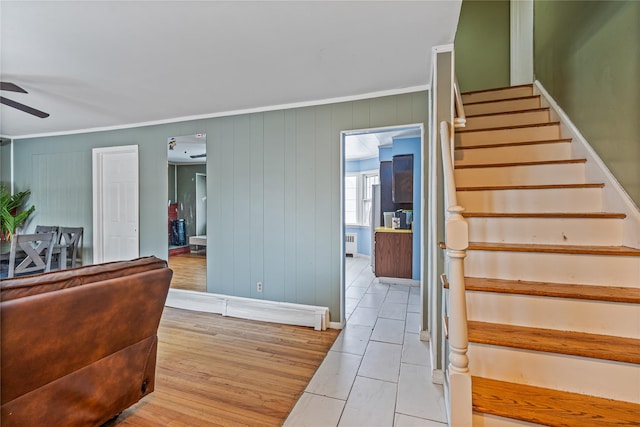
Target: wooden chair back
36,249
72,238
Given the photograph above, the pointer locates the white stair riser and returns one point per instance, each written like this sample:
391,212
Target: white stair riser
542,200
594,317
550,267
512,119
488,420
560,231
482,137
519,153
511,92
613,380
502,106
564,173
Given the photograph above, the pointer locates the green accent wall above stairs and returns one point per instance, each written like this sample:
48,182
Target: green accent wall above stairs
587,56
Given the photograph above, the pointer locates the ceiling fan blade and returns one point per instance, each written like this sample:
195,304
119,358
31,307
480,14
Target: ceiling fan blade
11,87
23,107
198,155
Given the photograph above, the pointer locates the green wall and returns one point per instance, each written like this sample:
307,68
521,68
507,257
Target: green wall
587,55
171,184
187,195
5,163
482,45
273,191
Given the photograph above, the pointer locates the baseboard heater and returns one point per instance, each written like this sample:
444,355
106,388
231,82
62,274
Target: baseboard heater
351,243
313,316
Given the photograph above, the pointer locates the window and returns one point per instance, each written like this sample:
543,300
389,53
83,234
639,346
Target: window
358,194
351,199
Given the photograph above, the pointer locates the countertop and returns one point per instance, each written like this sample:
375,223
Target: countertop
392,230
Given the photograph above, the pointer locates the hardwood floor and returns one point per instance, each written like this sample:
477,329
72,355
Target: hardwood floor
189,272
221,371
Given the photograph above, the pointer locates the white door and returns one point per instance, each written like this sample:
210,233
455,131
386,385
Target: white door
115,204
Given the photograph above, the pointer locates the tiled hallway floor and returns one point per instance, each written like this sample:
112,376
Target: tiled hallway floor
378,371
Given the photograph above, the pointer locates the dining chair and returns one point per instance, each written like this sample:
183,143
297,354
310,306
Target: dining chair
70,240
36,249
46,228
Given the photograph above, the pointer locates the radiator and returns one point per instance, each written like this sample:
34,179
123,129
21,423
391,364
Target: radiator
351,243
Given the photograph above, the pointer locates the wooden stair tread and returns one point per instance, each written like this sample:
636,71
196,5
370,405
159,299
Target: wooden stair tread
492,101
496,89
544,215
558,249
501,113
512,144
530,187
529,125
554,290
550,407
511,164
605,347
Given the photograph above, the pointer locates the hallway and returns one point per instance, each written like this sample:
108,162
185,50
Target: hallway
378,371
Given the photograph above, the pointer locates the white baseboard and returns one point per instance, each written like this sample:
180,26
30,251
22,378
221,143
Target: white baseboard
437,376
336,325
252,309
615,198
425,336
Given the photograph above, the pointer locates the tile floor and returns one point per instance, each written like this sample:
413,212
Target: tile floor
378,371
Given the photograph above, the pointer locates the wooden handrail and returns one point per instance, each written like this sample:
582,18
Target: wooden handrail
460,120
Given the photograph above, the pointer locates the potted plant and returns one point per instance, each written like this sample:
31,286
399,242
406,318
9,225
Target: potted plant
11,214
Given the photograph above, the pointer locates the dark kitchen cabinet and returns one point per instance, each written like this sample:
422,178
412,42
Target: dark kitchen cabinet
386,183
402,178
394,254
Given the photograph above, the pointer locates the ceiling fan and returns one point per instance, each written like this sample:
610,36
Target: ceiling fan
195,156
11,87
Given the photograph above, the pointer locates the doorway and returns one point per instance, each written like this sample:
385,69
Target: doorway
366,178
187,211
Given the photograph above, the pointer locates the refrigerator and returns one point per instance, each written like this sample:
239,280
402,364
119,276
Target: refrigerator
374,222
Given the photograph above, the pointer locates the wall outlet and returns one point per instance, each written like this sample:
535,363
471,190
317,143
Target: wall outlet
259,286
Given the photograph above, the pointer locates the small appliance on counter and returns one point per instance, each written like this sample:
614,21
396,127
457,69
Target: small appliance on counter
388,219
405,219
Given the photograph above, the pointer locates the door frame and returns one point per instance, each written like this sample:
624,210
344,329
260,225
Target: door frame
98,156
199,177
343,135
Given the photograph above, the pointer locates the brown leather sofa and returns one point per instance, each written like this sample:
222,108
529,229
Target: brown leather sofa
79,346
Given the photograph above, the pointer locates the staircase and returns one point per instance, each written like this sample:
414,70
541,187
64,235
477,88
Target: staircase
553,296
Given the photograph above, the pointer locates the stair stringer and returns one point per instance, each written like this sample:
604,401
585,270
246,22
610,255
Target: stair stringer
614,196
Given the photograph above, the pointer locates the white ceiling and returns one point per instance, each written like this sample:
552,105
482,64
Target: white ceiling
365,145
97,64
181,148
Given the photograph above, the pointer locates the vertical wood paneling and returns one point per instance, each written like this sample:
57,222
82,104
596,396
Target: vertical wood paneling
228,239
273,199
384,111
274,165
324,139
361,114
257,226
305,206
420,109
240,212
405,109
214,207
290,204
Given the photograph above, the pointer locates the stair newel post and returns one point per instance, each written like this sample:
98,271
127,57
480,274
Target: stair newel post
457,242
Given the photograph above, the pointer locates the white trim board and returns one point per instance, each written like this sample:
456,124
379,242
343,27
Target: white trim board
614,197
253,309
